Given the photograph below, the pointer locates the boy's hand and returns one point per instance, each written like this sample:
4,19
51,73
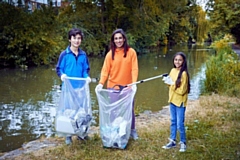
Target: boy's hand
88,79
63,76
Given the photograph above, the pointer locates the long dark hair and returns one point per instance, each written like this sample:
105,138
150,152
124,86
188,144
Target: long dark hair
113,46
183,68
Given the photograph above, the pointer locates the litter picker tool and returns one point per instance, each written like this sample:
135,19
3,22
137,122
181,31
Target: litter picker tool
141,81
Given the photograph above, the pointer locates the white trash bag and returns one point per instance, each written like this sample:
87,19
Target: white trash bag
115,116
74,113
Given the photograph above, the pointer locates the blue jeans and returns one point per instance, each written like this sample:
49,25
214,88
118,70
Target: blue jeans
177,122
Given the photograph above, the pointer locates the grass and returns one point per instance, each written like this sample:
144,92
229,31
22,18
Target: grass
212,127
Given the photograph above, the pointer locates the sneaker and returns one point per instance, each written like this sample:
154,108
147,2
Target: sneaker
183,147
170,145
68,140
134,134
83,139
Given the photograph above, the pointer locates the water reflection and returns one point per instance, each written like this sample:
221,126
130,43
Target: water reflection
196,83
26,101
29,98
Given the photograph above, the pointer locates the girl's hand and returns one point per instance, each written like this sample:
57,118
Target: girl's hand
168,80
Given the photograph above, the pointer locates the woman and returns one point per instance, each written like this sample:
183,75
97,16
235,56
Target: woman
120,67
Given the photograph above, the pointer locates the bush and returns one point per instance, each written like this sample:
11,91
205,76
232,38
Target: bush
223,70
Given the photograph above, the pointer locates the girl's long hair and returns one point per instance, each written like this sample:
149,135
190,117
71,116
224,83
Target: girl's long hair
183,68
113,46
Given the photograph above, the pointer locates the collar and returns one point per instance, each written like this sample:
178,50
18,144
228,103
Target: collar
68,50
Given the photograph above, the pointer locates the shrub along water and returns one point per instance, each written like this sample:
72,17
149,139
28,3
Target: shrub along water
223,71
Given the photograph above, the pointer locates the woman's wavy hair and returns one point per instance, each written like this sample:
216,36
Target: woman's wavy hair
113,46
183,68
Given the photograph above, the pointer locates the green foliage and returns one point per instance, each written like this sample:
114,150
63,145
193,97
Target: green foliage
203,26
84,16
38,38
150,22
225,18
189,21
30,39
223,70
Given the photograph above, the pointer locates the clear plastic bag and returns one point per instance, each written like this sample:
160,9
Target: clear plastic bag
74,113
115,116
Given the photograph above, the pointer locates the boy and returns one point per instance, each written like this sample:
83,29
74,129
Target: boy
73,62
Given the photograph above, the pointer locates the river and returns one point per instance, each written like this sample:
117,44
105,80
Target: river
28,98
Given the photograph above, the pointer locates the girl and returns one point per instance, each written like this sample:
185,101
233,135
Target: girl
179,87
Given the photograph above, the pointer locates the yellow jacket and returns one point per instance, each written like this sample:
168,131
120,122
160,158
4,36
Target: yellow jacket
120,71
180,95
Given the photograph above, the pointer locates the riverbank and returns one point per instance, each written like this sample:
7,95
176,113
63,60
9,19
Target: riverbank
37,147
212,125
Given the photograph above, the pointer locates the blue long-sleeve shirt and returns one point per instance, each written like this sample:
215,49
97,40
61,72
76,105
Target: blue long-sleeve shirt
72,65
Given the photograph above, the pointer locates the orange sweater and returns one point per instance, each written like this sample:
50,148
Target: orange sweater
120,71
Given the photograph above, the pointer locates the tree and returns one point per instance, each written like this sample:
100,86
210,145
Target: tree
39,37
29,39
225,17
190,23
